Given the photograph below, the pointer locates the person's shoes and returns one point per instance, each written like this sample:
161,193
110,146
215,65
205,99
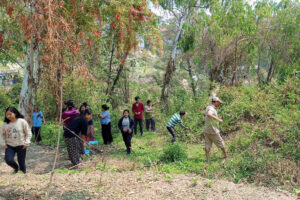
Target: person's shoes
16,171
173,140
128,151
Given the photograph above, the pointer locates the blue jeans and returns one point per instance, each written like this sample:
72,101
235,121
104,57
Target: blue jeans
21,154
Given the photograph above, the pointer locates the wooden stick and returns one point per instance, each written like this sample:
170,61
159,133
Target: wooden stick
58,137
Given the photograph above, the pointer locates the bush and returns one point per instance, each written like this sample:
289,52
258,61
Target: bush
173,153
14,94
4,102
49,133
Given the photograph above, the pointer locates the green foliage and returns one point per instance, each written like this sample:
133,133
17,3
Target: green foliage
4,101
14,93
243,167
173,153
49,133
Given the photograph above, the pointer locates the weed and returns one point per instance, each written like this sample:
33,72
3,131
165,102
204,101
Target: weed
208,183
173,152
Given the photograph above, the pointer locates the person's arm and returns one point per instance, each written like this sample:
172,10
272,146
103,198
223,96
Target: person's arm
143,110
101,116
210,115
133,108
156,103
120,124
104,115
84,130
43,118
28,134
131,124
182,125
84,127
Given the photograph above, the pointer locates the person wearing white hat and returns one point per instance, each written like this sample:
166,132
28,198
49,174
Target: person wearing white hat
212,132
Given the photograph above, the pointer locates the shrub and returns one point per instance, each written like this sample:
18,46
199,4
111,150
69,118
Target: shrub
173,153
4,102
14,93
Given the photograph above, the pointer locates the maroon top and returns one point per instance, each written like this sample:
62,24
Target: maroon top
69,115
138,107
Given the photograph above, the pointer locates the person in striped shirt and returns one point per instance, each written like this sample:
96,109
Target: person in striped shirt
175,119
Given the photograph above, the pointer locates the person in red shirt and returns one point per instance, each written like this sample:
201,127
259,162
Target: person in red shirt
138,109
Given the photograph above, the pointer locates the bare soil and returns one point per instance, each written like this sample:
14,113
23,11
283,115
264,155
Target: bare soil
118,179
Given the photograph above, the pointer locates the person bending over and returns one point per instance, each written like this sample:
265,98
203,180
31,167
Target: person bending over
175,119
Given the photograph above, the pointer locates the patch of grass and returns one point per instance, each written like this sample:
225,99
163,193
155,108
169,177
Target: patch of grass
105,167
173,152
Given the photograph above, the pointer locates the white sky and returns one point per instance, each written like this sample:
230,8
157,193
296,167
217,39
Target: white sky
159,11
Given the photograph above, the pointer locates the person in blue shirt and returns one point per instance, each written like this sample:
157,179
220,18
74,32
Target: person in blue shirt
105,123
37,121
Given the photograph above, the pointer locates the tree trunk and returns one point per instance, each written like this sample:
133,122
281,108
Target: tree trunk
110,69
258,68
235,63
119,72
126,87
30,81
193,85
215,69
170,69
271,70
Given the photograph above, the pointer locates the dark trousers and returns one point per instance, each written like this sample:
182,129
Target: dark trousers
127,140
74,148
21,154
106,133
140,122
36,131
152,122
172,131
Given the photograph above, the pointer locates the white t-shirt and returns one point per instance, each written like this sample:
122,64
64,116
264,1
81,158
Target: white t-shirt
211,125
16,133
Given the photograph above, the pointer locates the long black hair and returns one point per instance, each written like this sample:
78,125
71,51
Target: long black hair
13,110
82,111
105,107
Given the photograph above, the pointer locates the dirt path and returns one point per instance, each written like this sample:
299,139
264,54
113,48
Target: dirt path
121,180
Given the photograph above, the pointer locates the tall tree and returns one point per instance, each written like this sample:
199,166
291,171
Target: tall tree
181,11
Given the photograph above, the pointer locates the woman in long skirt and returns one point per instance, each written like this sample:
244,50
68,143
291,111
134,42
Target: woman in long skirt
75,133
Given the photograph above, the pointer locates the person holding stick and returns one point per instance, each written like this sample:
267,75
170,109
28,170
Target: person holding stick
69,113
15,137
37,121
75,133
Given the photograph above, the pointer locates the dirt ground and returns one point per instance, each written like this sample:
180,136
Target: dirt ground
123,179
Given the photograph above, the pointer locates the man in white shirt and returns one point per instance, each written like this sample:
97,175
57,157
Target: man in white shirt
212,132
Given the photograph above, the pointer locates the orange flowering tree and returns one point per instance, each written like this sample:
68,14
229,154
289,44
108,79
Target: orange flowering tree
59,33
